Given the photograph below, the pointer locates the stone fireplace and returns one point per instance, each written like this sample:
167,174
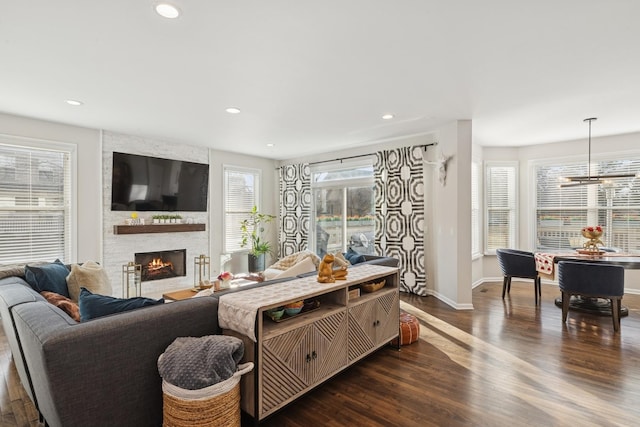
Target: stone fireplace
119,249
158,265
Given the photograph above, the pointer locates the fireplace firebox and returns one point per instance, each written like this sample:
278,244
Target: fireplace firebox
162,264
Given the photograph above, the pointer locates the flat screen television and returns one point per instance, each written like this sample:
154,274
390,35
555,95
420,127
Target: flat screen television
143,183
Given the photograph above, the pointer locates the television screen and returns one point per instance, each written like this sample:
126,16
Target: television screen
143,183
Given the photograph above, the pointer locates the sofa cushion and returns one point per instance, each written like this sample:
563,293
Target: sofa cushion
50,277
93,305
290,260
89,275
10,270
63,303
305,266
354,257
270,273
339,260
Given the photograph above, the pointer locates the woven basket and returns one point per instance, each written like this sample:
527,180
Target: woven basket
372,287
214,406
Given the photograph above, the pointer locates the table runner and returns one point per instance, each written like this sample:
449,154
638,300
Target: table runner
545,262
237,311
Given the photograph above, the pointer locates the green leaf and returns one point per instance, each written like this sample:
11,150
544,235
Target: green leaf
251,230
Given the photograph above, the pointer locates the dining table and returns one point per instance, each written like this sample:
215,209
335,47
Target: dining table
546,264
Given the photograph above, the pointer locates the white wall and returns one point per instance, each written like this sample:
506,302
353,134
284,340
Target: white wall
237,262
452,219
89,155
477,272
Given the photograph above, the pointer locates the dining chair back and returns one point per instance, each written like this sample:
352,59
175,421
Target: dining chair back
520,264
592,280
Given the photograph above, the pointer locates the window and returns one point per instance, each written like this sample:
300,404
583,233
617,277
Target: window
475,210
343,207
562,212
35,200
501,202
241,194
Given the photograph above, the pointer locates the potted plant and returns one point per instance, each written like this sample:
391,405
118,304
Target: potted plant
251,230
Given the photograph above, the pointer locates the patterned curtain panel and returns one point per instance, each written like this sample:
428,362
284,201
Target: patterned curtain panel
295,208
399,206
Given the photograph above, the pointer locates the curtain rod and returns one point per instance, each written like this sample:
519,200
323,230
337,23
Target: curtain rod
340,159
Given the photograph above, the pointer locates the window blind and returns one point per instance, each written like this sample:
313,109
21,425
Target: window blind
241,195
562,212
35,199
501,202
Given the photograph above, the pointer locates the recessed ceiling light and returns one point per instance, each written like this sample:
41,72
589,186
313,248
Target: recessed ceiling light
167,10
74,102
270,145
387,117
232,110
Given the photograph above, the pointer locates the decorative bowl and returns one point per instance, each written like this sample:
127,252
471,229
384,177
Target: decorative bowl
372,287
297,304
310,305
276,313
292,311
592,232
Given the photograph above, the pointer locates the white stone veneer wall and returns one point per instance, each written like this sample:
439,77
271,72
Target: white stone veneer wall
119,249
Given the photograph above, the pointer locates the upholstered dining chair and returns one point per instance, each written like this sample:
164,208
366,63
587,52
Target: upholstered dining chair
592,280
521,264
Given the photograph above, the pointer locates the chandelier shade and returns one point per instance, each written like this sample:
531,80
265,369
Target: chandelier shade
575,181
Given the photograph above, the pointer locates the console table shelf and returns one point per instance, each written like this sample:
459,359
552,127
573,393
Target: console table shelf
157,228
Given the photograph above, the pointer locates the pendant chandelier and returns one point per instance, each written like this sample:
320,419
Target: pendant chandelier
575,181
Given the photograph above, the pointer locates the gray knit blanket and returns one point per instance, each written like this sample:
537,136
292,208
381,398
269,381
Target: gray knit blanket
194,363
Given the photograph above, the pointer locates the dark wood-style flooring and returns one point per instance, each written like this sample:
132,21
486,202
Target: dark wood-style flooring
505,363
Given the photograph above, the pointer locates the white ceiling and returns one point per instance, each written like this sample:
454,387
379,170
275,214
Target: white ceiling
317,76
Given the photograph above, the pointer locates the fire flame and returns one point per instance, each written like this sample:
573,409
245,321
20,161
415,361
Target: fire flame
159,263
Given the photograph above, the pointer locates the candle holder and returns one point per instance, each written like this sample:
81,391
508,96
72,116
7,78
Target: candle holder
131,278
201,271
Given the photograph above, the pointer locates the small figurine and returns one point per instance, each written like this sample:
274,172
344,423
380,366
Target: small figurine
325,270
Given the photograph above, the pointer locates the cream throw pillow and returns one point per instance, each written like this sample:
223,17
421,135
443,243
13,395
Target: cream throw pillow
293,259
304,266
271,273
89,275
340,261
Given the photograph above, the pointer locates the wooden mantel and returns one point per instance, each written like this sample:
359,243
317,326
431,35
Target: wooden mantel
157,228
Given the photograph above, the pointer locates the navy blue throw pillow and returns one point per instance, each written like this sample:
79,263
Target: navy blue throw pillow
354,257
350,254
93,306
48,277
357,259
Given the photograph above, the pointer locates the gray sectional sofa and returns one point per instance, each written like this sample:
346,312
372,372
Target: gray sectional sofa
102,372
